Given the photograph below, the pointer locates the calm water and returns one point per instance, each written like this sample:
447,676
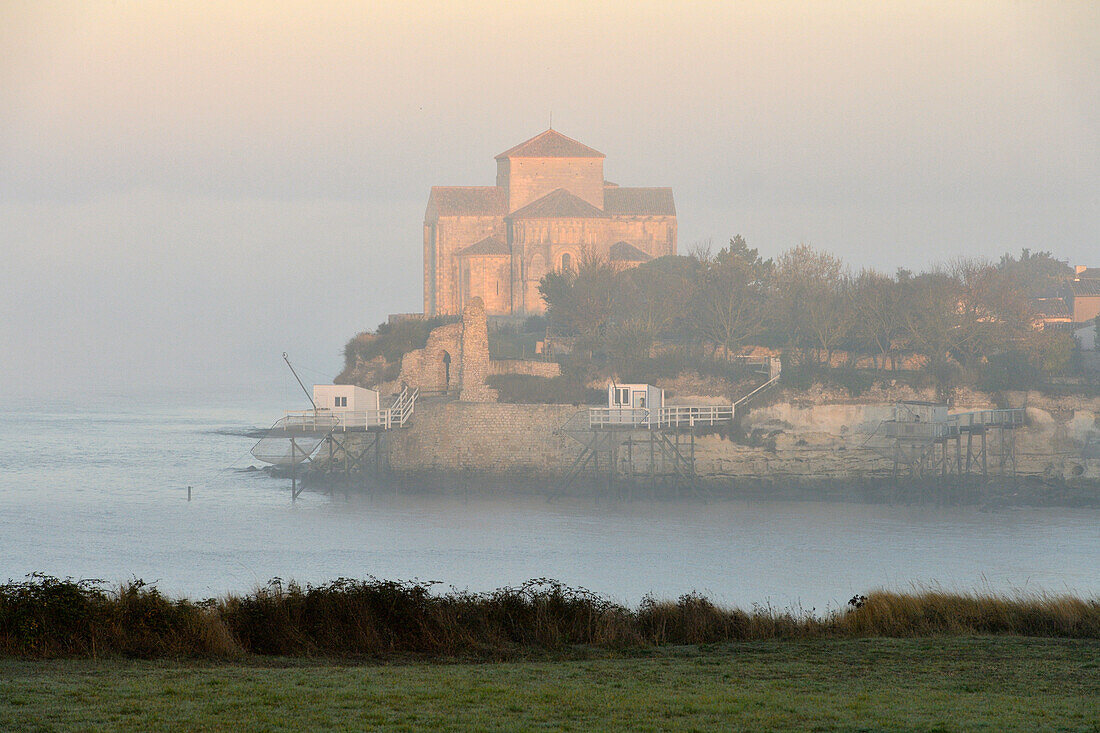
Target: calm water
102,492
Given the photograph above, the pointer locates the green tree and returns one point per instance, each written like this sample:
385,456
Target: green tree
1035,273
579,302
657,297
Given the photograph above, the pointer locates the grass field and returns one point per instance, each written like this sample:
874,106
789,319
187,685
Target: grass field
937,683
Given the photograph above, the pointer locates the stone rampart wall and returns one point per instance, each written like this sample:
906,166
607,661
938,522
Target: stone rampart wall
517,440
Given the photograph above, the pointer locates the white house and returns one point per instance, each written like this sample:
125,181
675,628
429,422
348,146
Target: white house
344,398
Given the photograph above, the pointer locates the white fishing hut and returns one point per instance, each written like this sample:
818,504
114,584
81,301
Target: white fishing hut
635,396
345,398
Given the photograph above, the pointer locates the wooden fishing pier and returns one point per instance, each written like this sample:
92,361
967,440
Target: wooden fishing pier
923,440
320,439
637,440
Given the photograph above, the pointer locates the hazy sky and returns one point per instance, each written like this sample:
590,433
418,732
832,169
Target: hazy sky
189,189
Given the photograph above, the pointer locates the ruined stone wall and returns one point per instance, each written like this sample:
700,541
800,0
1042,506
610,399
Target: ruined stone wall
426,369
474,365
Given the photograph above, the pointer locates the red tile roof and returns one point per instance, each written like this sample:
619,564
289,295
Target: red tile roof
1084,288
643,201
551,144
559,203
488,247
467,201
1052,308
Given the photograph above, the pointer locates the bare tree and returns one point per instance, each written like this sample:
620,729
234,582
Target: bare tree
813,306
876,301
732,305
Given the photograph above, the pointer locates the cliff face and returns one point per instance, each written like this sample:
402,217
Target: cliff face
812,435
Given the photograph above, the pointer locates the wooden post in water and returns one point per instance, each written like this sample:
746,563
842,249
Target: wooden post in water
958,457
969,448
630,467
331,468
652,467
985,463
293,470
378,456
613,460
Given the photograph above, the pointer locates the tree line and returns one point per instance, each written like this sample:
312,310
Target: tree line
965,318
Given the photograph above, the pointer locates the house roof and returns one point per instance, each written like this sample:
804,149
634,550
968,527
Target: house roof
644,201
1089,273
1051,307
488,247
626,252
1084,288
559,203
551,144
467,201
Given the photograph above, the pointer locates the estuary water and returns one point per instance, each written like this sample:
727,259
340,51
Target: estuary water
100,491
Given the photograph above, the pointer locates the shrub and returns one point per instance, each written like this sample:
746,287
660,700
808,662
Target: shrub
1010,370
535,324
45,616
564,390
507,344
392,340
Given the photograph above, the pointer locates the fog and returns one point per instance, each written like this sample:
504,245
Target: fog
187,190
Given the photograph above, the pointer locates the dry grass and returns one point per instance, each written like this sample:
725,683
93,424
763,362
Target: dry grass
48,617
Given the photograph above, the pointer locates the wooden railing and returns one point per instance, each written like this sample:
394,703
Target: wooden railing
662,417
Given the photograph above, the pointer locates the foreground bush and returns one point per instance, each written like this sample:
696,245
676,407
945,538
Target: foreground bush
44,616
530,390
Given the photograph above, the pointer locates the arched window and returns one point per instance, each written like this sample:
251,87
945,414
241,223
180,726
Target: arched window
566,262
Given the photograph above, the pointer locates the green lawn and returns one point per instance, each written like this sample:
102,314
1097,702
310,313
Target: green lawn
985,683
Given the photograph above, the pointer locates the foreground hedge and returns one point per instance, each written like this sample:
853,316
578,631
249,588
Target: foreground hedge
44,616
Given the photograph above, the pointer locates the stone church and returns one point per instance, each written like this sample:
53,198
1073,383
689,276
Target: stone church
549,207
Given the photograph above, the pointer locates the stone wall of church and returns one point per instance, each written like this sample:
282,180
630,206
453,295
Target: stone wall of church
654,235
487,278
529,179
452,234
